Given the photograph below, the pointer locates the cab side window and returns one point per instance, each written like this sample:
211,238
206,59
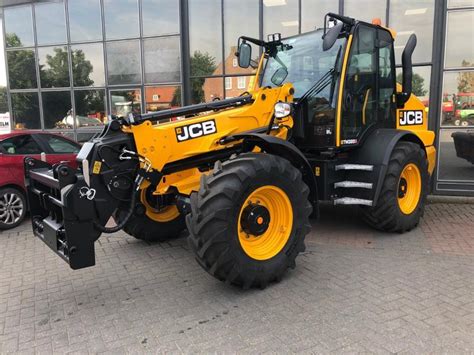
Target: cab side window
359,96
20,145
387,75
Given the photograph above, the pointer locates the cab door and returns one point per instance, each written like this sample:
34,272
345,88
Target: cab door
369,85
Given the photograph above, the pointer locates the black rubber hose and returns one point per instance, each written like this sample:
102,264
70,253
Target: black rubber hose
125,219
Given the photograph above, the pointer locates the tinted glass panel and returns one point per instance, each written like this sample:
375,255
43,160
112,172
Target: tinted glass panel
205,37
18,26
56,108
50,23
420,82
25,110
121,19
313,12
90,108
456,155
280,16
60,145
160,17
159,98
206,89
460,3
236,85
162,60
458,99
240,18
88,64
123,62
365,10
21,145
86,136
84,20
124,102
413,16
459,51
22,69
53,65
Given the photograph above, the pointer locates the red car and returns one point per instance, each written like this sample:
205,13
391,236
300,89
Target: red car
14,147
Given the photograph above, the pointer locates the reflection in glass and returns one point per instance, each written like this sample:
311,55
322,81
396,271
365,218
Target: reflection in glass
121,19
90,108
456,155
53,67
460,3
22,69
365,10
123,62
206,90
25,110
83,137
205,38
458,99
84,20
18,26
420,82
313,12
88,64
56,108
159,98
459,51
280,16
162,60
124,102
413,16
236,85
50,23
160,17
240,18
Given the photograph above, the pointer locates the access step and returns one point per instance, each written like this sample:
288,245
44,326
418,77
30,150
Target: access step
352,201
353,184
354,167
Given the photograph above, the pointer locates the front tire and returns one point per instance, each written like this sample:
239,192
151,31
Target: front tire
249,219
401,202
12,208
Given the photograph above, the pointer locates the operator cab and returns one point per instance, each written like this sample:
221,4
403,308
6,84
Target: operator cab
344,81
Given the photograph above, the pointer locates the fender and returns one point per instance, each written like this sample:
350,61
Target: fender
287,150
378,148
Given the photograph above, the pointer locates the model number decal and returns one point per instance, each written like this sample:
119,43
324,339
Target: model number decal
195,130
410,117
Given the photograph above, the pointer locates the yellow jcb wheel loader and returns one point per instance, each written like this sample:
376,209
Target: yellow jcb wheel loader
324,121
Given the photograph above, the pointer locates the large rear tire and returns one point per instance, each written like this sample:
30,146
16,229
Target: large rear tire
249,219
402,198
152,225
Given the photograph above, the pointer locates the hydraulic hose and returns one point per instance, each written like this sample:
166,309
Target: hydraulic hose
124,220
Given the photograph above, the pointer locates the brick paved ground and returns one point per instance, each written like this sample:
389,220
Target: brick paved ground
354,290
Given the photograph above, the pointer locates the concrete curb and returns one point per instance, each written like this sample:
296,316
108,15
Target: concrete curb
450,199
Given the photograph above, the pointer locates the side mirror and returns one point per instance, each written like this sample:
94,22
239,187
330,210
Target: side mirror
279,76
330,37
245,55
407,71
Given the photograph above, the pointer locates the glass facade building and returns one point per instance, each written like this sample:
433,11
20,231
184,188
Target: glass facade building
67,64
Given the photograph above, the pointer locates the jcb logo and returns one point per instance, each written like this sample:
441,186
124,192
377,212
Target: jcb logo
195,130
411,118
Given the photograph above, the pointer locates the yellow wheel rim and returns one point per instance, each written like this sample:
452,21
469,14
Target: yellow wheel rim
165,214
266,245
409,188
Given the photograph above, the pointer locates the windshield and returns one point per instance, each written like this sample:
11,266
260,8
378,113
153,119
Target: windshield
304,59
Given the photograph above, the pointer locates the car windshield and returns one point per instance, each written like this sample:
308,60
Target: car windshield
304,59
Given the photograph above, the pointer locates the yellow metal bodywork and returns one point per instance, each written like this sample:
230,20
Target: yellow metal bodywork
159,143
341,90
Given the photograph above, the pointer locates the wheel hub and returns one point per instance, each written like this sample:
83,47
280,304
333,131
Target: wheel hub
255,219
402,188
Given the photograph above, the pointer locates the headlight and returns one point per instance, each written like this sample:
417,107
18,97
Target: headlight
282,109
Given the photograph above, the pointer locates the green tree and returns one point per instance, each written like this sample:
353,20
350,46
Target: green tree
417,83
21,65
466,79
202,64
3,99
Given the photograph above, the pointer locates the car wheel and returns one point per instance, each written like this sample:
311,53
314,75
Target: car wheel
12,207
